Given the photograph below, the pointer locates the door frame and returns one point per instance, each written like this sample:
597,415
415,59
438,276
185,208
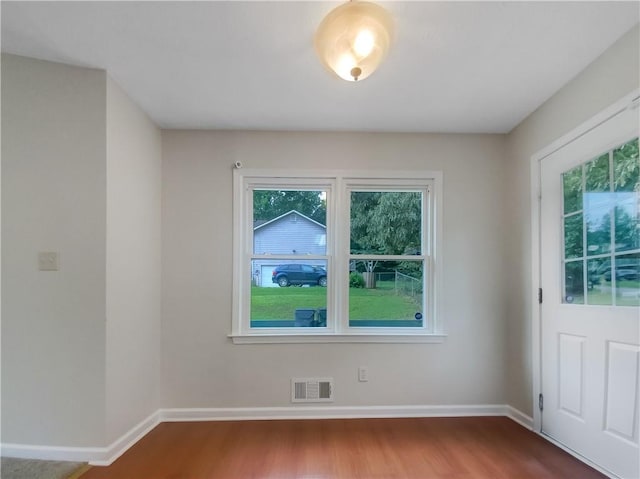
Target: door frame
631,100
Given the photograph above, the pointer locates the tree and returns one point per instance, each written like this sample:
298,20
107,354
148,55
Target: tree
572,189
597,174
269,204
626,167
363,206
397,223
626,176
599,233
385,223
627,230
573,247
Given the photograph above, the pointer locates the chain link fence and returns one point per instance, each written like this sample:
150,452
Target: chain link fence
409,286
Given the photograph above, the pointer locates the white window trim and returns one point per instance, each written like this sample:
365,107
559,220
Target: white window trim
336,181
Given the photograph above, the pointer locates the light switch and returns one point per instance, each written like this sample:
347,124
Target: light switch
48,261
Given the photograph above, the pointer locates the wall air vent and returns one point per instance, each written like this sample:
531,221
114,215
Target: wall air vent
311,389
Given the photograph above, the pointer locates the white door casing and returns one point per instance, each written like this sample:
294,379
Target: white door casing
590,354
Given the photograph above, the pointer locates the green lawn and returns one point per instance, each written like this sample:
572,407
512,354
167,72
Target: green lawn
377,304
380,303
600,295
280,303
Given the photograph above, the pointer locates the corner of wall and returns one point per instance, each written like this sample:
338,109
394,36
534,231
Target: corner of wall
133,267
593,90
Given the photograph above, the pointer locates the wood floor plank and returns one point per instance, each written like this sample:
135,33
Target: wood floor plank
416,448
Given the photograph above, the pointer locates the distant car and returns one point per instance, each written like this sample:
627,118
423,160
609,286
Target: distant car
299,274
622,274
627,270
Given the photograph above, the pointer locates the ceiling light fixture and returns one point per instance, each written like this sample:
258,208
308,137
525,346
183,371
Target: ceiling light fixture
354,38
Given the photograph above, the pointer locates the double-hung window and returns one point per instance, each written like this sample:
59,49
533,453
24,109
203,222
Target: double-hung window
337,256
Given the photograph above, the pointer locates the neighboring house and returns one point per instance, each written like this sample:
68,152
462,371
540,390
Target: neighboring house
290,233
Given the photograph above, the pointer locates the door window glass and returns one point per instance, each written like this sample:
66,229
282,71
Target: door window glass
601,204
627,278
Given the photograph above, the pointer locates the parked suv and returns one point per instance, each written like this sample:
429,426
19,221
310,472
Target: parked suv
627,269
299,274
629,274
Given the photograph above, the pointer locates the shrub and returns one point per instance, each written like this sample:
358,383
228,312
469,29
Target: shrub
356,280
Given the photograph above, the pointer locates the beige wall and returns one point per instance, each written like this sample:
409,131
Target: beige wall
613,75
53,199
82,177
133,264
201,368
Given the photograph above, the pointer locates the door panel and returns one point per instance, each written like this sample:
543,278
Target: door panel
570,374
622,390
590,256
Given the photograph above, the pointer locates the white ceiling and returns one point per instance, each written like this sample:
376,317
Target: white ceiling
454,67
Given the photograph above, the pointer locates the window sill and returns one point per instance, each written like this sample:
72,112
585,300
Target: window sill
336,338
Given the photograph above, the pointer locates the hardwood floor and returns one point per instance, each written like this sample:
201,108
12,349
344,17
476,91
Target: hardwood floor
451,448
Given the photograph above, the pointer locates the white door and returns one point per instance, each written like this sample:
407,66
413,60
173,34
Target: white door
590,276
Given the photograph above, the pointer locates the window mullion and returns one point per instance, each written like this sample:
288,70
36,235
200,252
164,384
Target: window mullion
341,235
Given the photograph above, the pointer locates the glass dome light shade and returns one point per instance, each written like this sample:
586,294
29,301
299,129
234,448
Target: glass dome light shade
354,38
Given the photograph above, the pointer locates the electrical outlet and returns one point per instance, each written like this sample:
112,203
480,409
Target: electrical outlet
363,374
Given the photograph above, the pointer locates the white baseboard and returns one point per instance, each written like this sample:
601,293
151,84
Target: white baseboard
519,417
326,412
103,456
128,439
98,456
